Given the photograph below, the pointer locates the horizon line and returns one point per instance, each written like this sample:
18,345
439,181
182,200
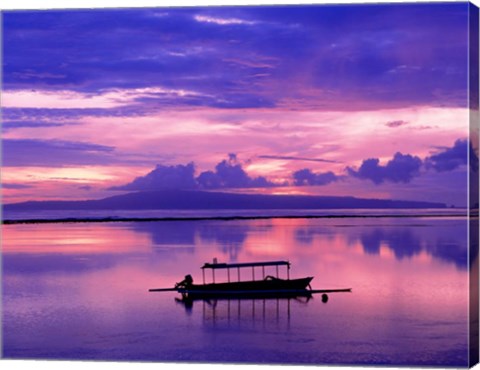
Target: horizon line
212,218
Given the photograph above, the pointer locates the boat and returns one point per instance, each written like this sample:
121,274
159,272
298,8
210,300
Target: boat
259,286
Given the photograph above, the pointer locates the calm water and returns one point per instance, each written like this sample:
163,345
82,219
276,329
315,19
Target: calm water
80,291
96,214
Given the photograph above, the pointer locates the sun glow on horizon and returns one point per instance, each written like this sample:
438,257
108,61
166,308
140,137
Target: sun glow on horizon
199,96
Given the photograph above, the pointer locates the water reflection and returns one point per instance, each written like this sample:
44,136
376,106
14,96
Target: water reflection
168,233
306,235
445,240
244,310
48,264
80,291
228,237
408,242
402,242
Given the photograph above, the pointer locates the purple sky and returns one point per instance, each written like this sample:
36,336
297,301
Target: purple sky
361,100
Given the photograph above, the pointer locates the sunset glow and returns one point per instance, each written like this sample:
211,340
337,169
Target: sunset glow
283,185
279,89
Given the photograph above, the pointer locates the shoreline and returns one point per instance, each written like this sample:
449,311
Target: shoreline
217,218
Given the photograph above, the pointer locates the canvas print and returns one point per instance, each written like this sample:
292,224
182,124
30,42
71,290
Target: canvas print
241,184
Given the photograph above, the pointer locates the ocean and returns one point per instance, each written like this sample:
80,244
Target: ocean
79,290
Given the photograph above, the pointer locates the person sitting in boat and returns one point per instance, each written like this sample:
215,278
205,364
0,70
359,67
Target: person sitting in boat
270,277
185,282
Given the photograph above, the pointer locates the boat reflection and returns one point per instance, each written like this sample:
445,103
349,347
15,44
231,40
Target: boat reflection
245,309
265,289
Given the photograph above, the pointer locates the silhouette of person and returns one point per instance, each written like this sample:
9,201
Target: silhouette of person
185,283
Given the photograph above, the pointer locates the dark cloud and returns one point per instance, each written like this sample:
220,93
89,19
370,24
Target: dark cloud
392,53
90,51
450,158
290,158
59,114
307,177
15,186
402,168
54,153
162,101
11,125
230,174
242,101
364,59
163,177
394,124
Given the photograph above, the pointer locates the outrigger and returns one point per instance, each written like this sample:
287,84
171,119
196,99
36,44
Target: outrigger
264,286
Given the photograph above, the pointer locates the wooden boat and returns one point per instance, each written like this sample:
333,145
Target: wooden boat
264,285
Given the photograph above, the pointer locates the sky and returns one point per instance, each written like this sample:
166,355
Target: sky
356,100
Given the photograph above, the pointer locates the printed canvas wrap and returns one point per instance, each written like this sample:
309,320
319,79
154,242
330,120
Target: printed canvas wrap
283,184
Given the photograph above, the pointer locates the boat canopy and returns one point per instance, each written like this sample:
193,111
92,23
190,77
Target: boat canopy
215,265
238,265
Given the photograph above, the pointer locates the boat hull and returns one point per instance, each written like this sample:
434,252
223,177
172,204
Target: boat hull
262,288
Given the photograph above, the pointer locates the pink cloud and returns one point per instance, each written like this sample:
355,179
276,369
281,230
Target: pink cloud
205,135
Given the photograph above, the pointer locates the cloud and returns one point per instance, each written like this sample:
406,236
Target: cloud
118,98
394,124
290,158
230,174
15,186
402,168
450,158
11,125
54,153
90,69
370,54
163,177
57,114
307,177
60,99
222,21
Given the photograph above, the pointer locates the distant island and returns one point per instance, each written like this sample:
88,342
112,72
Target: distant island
202,200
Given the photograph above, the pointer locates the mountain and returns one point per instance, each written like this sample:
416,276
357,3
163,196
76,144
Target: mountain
180,199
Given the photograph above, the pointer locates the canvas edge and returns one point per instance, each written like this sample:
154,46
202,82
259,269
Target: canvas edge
473,183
